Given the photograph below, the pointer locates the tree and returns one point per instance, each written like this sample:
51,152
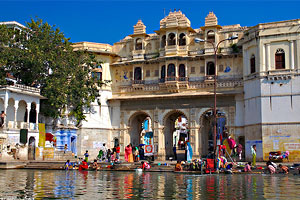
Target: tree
41,56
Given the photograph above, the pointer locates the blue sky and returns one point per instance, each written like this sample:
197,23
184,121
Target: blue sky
109,21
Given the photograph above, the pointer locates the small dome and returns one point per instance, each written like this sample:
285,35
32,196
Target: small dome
175,19
139,28
211,19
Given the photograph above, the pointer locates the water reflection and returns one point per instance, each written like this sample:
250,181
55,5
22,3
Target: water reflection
130,185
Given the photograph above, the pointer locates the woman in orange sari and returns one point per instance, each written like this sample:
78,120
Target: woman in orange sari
130,156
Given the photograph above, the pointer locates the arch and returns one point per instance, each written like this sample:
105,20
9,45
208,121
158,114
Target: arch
171,71
138,73
21,112
206,129
210,68
138,44
173,134
163,41
148,47
211,36
31,148
171,39
280,59
182,39
137,127
181,70
252,64
10,110
32,113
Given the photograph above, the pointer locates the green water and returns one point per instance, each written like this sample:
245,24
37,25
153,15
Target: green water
38,184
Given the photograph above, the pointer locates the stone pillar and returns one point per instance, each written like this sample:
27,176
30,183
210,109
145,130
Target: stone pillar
161,151
16,110
263,59
5,109
37,117
28,113
292,60
268,57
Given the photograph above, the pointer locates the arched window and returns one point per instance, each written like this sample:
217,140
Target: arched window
97,73
137,73
210,68
181,70
279,59
171,70
163,41
211,36
138,44
171,39
252,64
182,39
148,47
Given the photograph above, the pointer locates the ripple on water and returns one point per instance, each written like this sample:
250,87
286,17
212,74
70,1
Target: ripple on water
73,184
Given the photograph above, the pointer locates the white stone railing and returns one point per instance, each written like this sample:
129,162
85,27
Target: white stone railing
21,125
21,87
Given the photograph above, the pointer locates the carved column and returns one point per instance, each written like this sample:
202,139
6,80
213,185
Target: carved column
37,117
16,111
268,57
292,60
28,113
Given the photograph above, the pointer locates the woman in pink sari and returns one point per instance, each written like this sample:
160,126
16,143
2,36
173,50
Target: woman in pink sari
126,153
130,156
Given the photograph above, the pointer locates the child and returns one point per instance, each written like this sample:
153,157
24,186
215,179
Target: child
178,166
108,155
284,169
67,165
247,167
86,156
136,154
145,165
95,165
271,168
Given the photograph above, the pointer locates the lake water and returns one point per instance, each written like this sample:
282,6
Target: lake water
37,184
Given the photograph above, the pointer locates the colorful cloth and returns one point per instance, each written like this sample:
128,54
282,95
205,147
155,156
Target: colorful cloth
189,151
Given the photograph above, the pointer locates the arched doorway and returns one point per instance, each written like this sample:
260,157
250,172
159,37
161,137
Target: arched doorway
207,122
140,123
176,133
31,148
210,69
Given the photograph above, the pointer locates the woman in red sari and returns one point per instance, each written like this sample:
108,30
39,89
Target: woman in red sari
126,153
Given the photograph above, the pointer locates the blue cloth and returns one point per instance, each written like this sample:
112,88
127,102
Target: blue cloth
227,69
189,152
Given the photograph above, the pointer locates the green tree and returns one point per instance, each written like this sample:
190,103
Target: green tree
41,56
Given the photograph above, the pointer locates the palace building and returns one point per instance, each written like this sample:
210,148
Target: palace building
165,76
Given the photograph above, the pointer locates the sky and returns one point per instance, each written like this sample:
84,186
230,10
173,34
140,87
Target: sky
111,20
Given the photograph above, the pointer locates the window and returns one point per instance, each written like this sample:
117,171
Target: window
210,68
147,73
130,74
171,39
182,40
163,72
202,69
280,59
211,36
138,44
163,41
252,64
97,73
148,47
181,70
137,73
156,73
192,70
221,68
171,70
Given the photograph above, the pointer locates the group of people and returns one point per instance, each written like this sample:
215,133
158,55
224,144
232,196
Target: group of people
109,155
82,164
188,151
134,154
272,168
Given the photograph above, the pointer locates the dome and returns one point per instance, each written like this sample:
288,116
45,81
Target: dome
175,19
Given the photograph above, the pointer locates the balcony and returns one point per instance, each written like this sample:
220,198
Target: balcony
177,84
